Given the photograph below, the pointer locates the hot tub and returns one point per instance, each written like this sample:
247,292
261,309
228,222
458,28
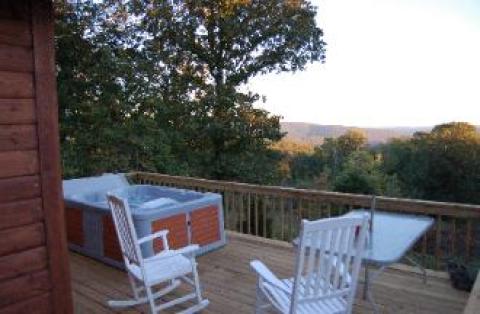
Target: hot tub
191,217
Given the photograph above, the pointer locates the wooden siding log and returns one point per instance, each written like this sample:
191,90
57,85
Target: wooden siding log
14,9
16,85
18,163
49,153
16,59
20,213
25,262
21,238
15,32
24,287
13,189
40,304
17,111
18,137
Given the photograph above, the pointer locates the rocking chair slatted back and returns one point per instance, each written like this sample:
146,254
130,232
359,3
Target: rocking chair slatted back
125,229
329,259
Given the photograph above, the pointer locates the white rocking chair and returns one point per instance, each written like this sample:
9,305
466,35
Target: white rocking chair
326,272
167,267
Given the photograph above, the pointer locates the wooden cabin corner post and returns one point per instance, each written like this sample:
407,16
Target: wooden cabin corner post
49,153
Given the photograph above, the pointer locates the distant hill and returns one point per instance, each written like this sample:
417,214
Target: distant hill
315,133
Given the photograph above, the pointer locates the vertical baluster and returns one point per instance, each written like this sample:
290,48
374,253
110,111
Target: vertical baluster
299,216
314,209
323,209
424,248
300,209
233,211
310,210
249,214
282,220
272,214
291,215
438,241
227,209
256,214
468,239
453,237
240,209
264,218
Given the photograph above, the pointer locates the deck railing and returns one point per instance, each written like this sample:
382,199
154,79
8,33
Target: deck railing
275,212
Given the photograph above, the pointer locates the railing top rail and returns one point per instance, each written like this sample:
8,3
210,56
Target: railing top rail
382,202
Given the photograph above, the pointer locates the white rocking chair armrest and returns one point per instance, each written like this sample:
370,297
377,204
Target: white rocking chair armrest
268,276
153,236
188,250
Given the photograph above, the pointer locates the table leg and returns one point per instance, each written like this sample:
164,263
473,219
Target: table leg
367,284
419,266
369,278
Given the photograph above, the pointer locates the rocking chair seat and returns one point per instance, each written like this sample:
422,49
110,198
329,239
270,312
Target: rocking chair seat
162,268
283,298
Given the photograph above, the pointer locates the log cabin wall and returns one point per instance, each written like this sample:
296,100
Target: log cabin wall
34,274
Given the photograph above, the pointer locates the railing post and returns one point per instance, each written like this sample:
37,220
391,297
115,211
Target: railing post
373,206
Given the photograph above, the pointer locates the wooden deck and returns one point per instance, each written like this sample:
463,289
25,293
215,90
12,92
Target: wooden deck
230,285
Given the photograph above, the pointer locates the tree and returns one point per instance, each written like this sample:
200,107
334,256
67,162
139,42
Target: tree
334,151
157,85
105,122
220,45
440,165
360,174
353,140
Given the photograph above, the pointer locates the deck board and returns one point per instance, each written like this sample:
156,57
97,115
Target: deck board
230,285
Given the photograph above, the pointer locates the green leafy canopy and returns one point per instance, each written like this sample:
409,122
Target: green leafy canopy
156,85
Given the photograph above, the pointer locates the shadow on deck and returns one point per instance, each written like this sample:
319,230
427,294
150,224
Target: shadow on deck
229,283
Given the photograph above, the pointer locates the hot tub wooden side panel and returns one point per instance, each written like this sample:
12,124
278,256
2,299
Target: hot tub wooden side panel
111,245
177,231
74,223
205,225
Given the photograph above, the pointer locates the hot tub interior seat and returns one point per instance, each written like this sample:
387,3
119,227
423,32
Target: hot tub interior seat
140,196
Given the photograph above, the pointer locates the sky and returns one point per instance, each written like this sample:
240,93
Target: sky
388,63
